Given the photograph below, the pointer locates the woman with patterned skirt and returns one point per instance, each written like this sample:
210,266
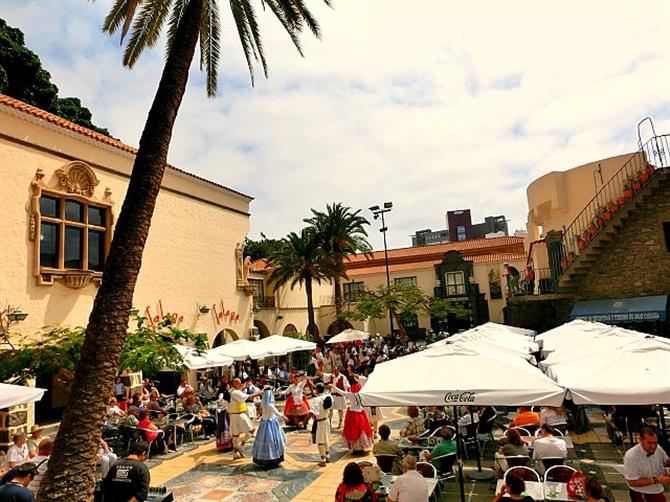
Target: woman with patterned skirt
357,433
297,406
269,445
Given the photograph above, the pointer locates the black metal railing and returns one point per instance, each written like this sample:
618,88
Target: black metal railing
636,172
543,283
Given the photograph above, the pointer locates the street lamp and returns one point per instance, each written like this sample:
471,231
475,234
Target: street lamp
377,212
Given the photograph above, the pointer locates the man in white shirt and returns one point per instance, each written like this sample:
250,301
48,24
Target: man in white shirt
411,486
548,446
18,452
644,469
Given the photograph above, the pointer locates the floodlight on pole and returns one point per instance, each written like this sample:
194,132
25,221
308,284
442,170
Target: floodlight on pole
378,212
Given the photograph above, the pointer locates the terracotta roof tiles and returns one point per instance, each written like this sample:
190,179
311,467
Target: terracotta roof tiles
66,124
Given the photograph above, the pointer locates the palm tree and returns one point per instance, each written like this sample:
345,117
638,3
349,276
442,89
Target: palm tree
301,260
70,475
342,233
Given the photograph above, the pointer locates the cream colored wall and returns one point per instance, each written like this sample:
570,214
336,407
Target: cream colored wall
189,257
555,199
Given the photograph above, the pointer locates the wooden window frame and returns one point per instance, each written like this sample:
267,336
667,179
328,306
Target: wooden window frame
456,284
76,182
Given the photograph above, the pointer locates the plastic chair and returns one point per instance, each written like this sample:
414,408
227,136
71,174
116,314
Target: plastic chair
155,414
185,422
469,440
385,462
523,432
559,473
445,469
485,431
548,462
144,432
523,472
555,432
426,469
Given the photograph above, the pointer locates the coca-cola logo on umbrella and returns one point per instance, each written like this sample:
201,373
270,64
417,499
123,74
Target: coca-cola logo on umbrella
459,397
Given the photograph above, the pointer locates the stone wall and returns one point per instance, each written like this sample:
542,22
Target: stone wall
637,261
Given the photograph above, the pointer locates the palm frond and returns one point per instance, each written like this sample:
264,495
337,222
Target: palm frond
210,49
243,30
288,27
146,29
178,10
131,7
307,16
255,35
118,14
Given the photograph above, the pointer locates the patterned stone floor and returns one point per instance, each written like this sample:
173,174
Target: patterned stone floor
203,474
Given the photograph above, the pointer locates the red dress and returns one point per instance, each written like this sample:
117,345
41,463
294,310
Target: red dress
357,432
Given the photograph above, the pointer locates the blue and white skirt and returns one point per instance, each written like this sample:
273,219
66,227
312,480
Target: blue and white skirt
269,444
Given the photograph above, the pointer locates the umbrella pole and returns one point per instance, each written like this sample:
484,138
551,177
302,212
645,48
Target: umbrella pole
661,421
459,459
479,474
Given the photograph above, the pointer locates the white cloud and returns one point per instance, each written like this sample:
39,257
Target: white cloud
430,104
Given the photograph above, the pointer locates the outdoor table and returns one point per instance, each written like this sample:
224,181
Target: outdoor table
388,480
406,444
534,489
554,490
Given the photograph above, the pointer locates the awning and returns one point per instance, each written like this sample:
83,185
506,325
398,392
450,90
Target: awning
640,309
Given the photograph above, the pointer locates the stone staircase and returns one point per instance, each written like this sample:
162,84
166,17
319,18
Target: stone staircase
643,201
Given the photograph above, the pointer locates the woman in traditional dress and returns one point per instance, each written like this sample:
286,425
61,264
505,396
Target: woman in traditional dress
224,440
357,433
297,407
269,445
240,424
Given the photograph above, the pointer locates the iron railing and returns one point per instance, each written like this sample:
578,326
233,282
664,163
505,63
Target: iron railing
638,170
543,284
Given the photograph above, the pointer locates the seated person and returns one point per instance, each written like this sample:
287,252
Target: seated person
113,408
353,486
105,458
447,446
386,447
436,418
514,487
594,491
130,420
414,427
526,418
411,486
153,404
548,446
514,446
151,431
553,416
202,417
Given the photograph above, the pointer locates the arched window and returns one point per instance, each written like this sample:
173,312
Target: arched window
290,329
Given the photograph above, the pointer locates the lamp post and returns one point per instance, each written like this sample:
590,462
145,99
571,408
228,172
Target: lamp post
377,212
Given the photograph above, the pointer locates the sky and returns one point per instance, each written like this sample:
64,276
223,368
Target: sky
433,105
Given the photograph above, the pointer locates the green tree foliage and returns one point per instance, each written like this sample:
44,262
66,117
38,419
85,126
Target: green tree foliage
262,248
148,349
405,301
23,77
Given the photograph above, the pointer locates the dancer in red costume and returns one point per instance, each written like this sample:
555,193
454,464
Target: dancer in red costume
297,406
357,432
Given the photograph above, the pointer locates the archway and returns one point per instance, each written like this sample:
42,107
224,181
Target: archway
316,335
337,327
225,336
290,329
263,330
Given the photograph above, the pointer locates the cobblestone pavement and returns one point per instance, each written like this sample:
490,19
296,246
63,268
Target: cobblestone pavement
203,474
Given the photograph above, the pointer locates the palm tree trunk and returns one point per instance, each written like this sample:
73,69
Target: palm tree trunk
311,324
338,297
71,468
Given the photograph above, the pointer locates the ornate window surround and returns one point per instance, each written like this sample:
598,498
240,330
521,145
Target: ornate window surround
76,181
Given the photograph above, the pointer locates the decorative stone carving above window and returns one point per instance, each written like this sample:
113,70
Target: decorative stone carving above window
69,226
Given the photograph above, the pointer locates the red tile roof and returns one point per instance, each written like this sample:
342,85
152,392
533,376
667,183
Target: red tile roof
66,124
260,265
429,264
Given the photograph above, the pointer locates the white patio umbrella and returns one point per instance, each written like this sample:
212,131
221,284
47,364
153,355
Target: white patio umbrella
507,329
571,333
281,345
519,343
195,361
239,350
14,395
349,335
637,373
459,375
486,347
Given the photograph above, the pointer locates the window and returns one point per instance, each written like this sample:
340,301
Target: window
455,283
409,320
73,234
405,281
259,291
290,329
666,233
353,291
70,228
460,233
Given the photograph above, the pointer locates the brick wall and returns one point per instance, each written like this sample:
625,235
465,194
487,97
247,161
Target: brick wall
636,262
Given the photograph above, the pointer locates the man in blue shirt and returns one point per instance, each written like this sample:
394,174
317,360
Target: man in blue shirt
15,490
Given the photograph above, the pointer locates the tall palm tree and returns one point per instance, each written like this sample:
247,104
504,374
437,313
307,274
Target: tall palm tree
342,233
301,260
70,475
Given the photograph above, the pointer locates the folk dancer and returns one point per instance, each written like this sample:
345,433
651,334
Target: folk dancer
297,407
240,424
250,388
357,433
320,410
224,440
270,442
339,381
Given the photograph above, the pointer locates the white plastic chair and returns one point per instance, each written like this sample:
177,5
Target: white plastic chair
523,472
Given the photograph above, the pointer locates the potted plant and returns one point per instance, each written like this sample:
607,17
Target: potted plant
564,264
571,257
581,243
606,214
627,190
593,229
620,200
642,176
650,170
612,206
635,183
